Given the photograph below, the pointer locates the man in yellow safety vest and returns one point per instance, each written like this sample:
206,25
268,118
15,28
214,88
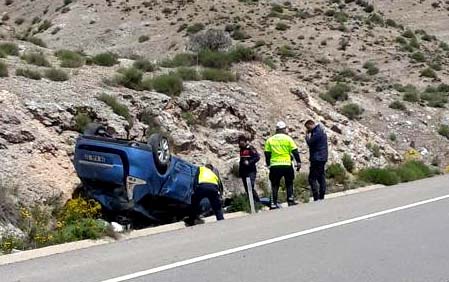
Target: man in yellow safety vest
209,186
279,149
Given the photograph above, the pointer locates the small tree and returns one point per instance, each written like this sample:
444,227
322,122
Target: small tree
212,39
348,162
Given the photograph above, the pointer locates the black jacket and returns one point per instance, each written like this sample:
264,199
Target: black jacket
317,142
250,154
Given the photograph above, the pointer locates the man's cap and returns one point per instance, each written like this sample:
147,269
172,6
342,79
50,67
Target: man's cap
281,125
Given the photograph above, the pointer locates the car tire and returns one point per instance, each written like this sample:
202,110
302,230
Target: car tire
160,146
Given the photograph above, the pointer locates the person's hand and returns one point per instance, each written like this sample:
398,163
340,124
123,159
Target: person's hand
298,167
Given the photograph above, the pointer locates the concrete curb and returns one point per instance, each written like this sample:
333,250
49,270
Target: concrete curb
67,247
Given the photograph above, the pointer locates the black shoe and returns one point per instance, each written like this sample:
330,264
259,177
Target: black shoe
292,203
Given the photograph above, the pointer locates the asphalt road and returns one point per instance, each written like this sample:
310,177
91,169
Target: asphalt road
395,234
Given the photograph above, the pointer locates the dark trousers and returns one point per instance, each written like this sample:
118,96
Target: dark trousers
252,177
317,180
209,191
276,174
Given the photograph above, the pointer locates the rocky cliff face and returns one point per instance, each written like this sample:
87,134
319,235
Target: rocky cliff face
313,44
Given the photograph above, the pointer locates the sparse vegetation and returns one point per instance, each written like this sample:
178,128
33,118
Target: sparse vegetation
408,171
179,60
393,137
336,172
9,48
352,111
282,26
81,121
3,69
397,105
187,74
36,58
130,78
144,65
19,21
428,72
56,75
197,27
218,75
70,59
170,84
105,59
348,163
29,73
286,51
444,130
212,39
418,57
117,107
371,68
37,41
338,92
143,38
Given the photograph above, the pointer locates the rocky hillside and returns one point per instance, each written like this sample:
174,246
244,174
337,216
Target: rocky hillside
372,76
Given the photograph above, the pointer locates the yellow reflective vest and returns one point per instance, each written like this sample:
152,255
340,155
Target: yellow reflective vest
280,146
207,176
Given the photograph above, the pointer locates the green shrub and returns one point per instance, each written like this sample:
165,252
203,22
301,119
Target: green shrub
83,229
409,34
371,68
147,84
282,26
348,162
242,54
286,51
397,105
8,48
392,137
435,100
301,187
444,46
170,84
384,176
345,73
239,202
197,27
179,60
36,58
143,38
277,8
130,78
56,74
411,94
188,74
418,57
3,69
37,41
376,19
413,170
70,59
259,43
117,107
218,75
337,172
413,43
239,35
214,59
428,72
401,40
444,130
105,59
29,73
374,148
189,118
81,121
46,24
144,65
391,23
352,111
338,92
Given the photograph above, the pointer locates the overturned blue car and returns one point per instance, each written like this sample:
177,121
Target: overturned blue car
134,180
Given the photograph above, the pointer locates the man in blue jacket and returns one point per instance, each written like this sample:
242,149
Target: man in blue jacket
316,139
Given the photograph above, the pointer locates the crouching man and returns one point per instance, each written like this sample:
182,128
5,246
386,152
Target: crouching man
209,186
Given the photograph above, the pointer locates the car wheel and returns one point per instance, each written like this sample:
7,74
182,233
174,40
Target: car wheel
160,146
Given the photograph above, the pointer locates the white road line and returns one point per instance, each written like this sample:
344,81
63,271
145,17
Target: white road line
269,241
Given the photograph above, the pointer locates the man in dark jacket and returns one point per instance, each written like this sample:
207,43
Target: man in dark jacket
316,139
247,168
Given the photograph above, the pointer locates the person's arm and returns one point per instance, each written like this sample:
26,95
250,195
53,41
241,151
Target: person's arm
295,154
267,152
255,157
